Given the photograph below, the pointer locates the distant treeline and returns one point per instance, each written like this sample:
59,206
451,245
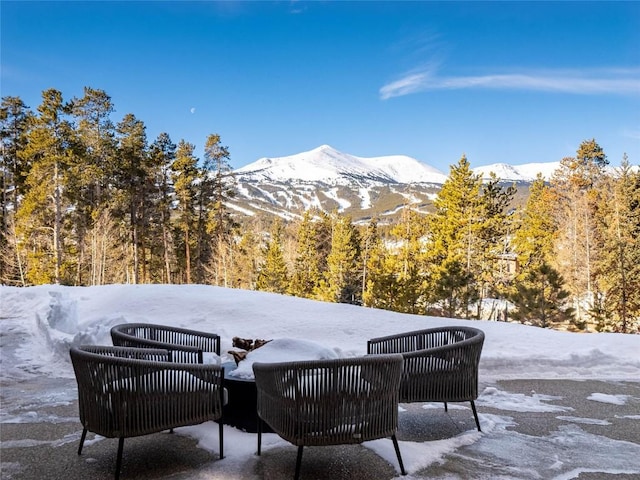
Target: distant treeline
89,202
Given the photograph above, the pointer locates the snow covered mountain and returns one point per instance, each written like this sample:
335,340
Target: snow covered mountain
327,179
527,172
327,165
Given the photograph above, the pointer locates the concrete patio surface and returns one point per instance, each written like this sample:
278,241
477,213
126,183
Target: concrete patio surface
43,444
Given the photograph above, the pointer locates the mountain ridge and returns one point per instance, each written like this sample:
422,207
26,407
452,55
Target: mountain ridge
327,165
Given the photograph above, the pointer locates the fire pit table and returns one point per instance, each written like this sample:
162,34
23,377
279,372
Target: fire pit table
241,408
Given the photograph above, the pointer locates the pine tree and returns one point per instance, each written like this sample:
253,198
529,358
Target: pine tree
41,214
453,247
575,183
450,288
340,282
273,275
244,260
184,175
493,238
618,266
588,166
132,176
536,228
14,168
381,285
204,241
540,298
163,153
534,242
306,272
15,118
221,225
90,176
370,242
410,269
323,227
97,133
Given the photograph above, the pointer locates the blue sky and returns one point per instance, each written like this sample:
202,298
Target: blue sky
511,82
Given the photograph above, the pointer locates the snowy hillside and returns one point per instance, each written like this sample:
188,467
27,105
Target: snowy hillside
328,165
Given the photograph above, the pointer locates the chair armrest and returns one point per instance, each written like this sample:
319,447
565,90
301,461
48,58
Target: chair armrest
152,354
186,342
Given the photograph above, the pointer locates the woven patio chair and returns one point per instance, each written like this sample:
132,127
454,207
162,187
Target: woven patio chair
185,345
127,392
330,402
440,364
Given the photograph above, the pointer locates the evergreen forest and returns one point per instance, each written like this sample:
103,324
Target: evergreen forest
86,201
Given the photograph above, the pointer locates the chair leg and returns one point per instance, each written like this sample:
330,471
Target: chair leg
397,448
221,437
298,462
445,407
82,438
119,459
475,414
259,435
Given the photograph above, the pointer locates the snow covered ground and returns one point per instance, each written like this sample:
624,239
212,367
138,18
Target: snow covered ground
39,324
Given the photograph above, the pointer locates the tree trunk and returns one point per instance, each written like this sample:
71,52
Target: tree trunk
187,253
165,247
134,240
57,226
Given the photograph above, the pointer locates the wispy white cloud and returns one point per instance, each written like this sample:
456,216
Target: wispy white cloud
610,81
295,8
412,82
633,133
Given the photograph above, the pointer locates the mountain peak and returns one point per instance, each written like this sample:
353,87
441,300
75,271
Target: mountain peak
327,165
324,147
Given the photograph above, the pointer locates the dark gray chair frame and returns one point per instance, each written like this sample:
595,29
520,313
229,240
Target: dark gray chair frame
186,345
126,392
330,402
440,364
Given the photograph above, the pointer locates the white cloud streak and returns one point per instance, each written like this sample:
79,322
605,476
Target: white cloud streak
615,81
632,133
